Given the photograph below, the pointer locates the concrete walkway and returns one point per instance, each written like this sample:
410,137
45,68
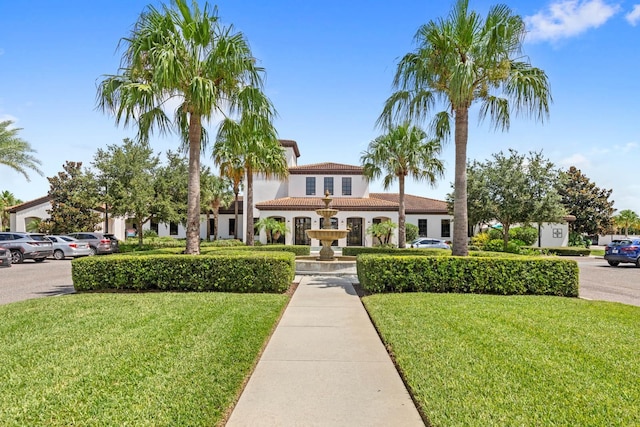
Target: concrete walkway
325,366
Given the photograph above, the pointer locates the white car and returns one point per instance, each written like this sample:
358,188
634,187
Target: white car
426,242
66,246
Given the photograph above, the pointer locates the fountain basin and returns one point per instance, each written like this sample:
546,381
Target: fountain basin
327,234
339,266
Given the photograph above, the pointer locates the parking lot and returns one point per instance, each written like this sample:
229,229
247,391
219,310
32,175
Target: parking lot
598,281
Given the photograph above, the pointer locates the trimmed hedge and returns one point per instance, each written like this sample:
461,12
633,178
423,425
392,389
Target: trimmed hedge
562,251
224,272
357,250
297,250
506,276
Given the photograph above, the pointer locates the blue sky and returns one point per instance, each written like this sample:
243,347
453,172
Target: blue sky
329,70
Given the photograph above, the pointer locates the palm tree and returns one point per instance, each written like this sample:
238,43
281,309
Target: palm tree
7,199
183,54
251,141
215,193
403,151
626,219
459,61
16,152
233,169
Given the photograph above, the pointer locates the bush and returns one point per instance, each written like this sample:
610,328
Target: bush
411,232
480,240
526,234
562,251
357,250
239,271
149,233
494,245
488,275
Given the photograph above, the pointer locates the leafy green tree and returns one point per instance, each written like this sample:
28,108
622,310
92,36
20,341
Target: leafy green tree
403,151
461,61
515,185
215,192
183,53
626,219
16,152
128,172
479,208
587,202
75,198
411,232
272,227
171,185
251,141
7,199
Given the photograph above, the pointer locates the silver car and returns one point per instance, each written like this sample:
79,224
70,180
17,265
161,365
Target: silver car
66,246
26,246
426,242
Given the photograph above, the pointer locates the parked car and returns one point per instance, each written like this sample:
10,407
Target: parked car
623,250
426,242
67,246
5,257
98,242
23,246
115,243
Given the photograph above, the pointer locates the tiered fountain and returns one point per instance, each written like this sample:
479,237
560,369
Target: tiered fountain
326,234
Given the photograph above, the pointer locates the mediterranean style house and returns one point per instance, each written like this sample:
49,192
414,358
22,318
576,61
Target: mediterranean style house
294,201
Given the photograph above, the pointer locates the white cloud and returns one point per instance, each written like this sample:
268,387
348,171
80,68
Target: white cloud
568,18
629,146
577,160
5,117
633,17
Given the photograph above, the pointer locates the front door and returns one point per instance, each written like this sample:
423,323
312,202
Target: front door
300,237
354,237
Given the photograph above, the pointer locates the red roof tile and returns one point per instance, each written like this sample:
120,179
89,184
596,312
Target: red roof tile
414,204
327,168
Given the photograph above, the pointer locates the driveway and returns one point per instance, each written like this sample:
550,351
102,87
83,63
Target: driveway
599,281
34,280
29,280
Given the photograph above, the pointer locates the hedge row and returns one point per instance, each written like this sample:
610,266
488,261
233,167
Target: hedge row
562,251
228,272
506,276
357,250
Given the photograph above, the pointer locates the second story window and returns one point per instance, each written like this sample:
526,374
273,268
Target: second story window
346,186
311,186
328,184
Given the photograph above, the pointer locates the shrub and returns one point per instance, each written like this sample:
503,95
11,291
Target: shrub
357,250
149,233
526,234
239,271
411,232
490,275
494,245
480,240
562,251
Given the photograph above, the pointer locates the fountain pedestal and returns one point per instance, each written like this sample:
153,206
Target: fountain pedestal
326,234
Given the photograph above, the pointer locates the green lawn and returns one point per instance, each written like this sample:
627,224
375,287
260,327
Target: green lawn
154,359
482,360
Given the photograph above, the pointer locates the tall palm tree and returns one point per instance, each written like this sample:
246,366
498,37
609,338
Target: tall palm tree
626,219
184,54
215,192
403,151
231,168
460,61
16,152
7,199
252,141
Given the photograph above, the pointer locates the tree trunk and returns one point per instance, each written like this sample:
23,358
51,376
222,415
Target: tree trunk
139,231
460,219
236,190
216,214
402,236
249,213
193,198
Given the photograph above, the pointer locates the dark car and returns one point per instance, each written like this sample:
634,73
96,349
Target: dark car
5,257
623,250
23,246
98,242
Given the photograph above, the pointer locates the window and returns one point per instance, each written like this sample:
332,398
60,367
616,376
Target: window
346,186
422,227
445,228
311,186
154,226
328,184
232,227
557,233
173,228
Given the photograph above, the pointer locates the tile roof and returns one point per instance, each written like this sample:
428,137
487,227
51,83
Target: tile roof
414,204
29,204
375,202
340,203
326,168
291,144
